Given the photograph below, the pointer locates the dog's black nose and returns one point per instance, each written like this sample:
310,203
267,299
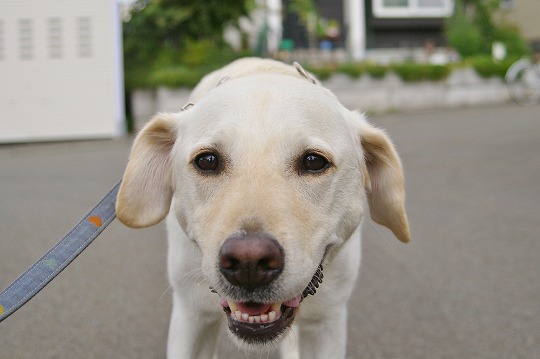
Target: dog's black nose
252,260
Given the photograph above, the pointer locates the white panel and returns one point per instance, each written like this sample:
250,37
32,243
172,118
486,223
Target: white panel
59,70
412,8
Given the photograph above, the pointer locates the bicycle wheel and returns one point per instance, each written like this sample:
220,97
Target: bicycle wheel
523,82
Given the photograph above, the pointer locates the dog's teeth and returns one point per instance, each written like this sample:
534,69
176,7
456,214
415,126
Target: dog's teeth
272,315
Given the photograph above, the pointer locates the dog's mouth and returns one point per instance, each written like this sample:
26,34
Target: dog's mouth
259,323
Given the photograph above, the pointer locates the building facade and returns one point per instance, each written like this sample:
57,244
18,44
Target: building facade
61,72
378,24
525,14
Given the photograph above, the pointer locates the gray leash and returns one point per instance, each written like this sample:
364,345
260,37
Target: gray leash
58,257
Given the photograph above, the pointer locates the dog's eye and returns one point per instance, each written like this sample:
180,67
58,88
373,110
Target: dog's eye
207,162
314,163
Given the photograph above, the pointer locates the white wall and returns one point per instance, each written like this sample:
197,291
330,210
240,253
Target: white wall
60,70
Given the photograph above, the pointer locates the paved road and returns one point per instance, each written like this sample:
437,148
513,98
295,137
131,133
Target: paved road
466,287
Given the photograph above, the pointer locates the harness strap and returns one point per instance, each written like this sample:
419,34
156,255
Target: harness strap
58,257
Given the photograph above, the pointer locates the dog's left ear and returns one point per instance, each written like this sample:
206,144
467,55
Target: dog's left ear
386,192
384,180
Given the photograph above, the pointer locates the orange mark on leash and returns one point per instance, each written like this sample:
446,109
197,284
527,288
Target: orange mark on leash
95,220
1,309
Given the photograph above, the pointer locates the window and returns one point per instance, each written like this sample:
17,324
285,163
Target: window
84,36
26,41
55,38
412,8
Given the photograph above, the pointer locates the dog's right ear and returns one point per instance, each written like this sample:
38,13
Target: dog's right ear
146,191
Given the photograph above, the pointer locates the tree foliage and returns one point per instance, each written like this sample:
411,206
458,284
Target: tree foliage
161,29
472,30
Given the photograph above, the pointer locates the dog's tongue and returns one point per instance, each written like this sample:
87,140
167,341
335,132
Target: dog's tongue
295,302
253,308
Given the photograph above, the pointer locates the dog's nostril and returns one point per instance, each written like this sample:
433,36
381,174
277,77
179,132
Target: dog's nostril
270,263
228,263
251,261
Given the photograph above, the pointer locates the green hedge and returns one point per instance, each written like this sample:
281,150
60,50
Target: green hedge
322,72
182,75
486,67
376,71
408,72
354,70
175,76
180,68
412,72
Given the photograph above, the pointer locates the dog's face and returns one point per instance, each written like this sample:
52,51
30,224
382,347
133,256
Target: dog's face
269,174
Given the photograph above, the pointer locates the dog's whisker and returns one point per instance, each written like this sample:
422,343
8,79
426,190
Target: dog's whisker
188,276
196,295
181,282
200,279
170,288
386,241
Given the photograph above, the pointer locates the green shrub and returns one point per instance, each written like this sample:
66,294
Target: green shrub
376,71
203,52
515,45
413,72
471,30
322,72
180,68
135,78
439,72
175,76
354,70
486,67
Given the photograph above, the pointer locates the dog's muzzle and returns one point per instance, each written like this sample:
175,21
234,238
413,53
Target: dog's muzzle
258,323
250,263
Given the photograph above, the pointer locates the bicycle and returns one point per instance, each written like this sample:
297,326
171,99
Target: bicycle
523,81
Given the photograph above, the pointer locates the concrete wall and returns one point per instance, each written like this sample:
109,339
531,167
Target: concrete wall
463,88
60,70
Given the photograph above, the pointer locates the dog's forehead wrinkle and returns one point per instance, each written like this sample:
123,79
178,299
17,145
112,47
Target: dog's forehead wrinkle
279,118
275,144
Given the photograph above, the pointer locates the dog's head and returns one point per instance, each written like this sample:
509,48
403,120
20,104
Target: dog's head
269,174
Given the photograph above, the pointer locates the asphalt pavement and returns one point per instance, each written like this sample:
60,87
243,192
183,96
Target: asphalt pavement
467,286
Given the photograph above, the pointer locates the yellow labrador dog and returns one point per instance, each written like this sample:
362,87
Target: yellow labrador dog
265,180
